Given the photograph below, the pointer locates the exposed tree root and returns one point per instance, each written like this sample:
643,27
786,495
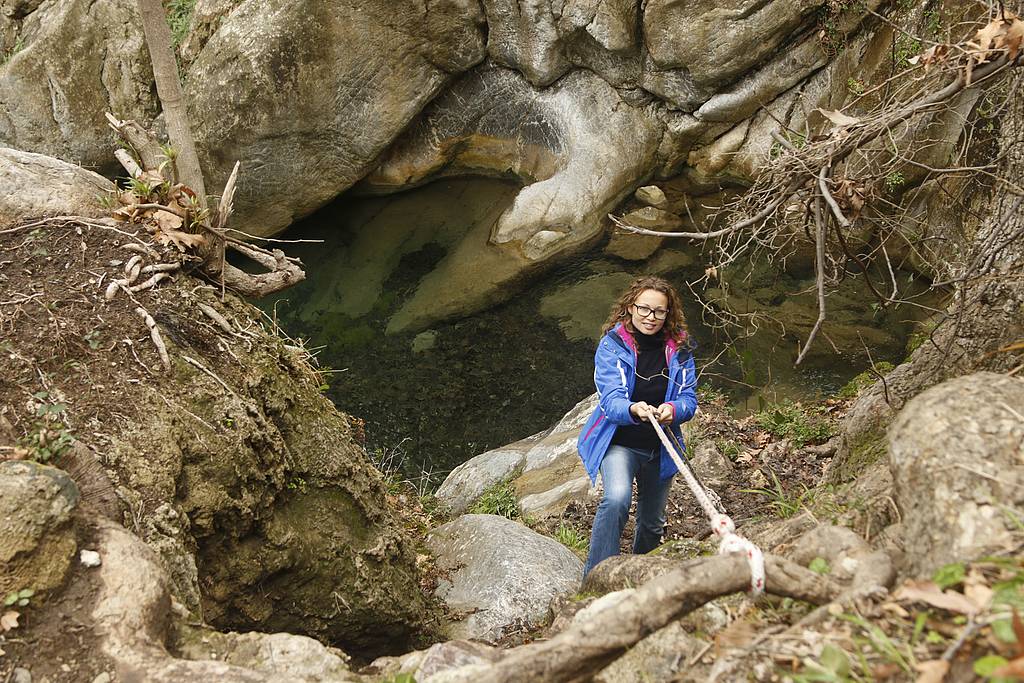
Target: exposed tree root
585,648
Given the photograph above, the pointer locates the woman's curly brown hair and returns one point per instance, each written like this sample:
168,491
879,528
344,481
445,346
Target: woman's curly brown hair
675,323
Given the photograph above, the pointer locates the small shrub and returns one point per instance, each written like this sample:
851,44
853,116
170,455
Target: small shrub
791,421
729,449
49,437
784,504
179,15
498,499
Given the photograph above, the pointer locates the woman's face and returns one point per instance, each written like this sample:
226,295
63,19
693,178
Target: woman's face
649,311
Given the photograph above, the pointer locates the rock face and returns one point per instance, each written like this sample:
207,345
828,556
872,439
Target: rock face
289,533
37,185
957,460
37,538
308,94
501,573
78,59
583,100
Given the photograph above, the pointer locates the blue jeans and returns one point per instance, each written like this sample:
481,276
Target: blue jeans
620,466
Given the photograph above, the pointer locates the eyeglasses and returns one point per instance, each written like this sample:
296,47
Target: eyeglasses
645,311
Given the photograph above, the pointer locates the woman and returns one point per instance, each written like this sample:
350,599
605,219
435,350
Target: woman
643,366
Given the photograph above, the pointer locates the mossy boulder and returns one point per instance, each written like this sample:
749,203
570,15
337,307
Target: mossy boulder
282,511
37,536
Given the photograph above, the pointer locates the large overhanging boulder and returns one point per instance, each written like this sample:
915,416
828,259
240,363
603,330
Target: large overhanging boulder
577,144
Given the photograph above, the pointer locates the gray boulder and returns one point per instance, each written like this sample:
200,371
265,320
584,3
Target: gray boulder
37,537
710,464
308,94
79,59
468,481
956,452
501,574
652,195
639,247
36,185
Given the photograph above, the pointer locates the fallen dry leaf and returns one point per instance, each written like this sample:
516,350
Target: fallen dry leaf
933,671
167,222
738,634
1011,40
985,38
9,620
1012,669
182,240
928,592
839,118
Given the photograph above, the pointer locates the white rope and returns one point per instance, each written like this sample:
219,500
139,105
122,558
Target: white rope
721,524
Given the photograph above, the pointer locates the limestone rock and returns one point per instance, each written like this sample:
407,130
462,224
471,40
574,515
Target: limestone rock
524,36
554,501
576,143
80,58
470,479
709,463
439,657
504,574
290,657
37,538
716,41
553,474
651,195
957,460
37,185
639,247
307,95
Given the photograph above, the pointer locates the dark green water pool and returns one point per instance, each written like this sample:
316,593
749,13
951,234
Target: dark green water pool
433,399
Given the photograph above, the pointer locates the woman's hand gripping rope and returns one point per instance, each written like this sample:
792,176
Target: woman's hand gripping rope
721,524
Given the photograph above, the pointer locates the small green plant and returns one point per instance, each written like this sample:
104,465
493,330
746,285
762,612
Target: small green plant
498,499
729,449
93,339
903,50
572,539
49,437
400,678
793,422
297,484
895,181
819,565
782,503
833,665
19,598
5,57
949,575
855,86
179,15
709,394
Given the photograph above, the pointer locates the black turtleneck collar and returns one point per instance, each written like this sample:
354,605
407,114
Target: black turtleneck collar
649,342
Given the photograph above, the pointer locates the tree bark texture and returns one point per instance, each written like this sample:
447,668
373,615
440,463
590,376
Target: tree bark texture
168,87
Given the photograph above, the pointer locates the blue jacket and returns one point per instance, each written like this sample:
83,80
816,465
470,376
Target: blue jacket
614,375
